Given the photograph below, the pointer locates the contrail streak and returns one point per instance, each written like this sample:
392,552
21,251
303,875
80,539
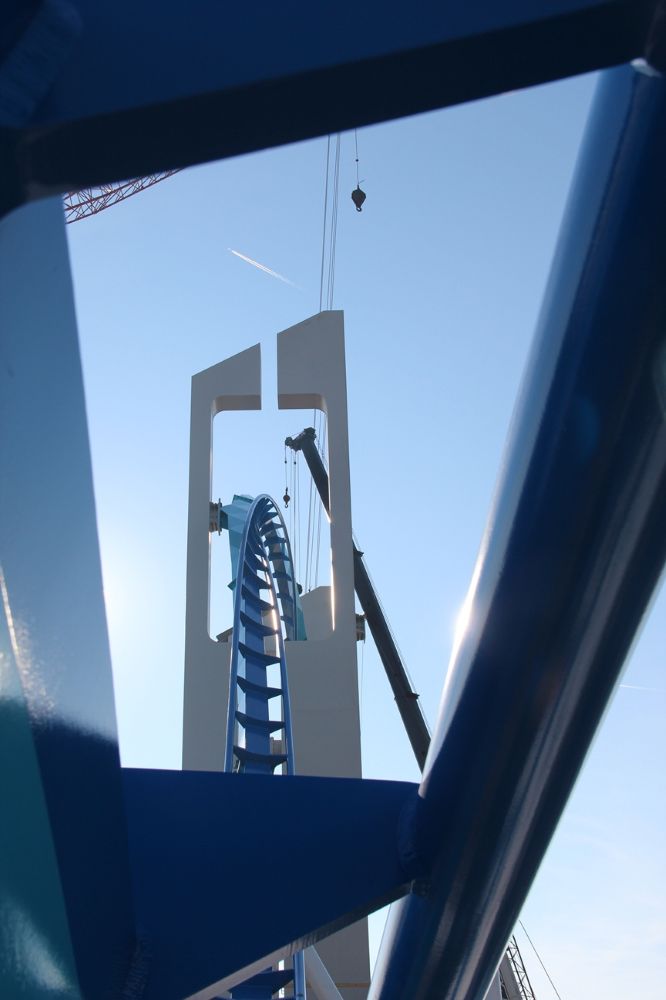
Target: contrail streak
262,267
638,687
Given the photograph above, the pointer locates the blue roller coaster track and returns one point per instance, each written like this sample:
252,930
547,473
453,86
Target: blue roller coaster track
263,565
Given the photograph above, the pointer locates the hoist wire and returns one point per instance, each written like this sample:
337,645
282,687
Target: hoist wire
309,543
292,526
294,535
540,959
291,508
326,298
334,224
360,686
308,546
323,234
312,500
358,183
300,513
321,444
297,514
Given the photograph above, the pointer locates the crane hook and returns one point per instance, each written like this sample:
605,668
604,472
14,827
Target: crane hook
358,197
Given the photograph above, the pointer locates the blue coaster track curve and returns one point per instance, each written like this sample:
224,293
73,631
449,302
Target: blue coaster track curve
263,563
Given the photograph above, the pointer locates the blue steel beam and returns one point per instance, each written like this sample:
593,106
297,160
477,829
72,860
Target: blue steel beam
233,871
66,916
94,91
573,551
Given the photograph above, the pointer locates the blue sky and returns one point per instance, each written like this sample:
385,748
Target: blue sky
441,278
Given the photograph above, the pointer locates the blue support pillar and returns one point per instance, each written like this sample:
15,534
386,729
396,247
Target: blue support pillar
67,921
573,551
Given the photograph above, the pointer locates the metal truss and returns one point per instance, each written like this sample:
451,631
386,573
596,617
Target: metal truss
89,201
519,972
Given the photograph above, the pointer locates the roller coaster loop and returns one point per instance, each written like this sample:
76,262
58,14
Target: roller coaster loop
262,562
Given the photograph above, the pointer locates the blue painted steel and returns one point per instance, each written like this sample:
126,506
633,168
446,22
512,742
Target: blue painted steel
264,985
172,53
196,837
311,69
36,950
262,561
573,551
55,667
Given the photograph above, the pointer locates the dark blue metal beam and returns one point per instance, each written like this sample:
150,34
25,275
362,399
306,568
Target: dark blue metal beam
101,90
573,551
231,868
65,897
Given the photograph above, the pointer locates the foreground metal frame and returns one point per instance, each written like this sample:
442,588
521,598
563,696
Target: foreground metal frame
179,88
574,548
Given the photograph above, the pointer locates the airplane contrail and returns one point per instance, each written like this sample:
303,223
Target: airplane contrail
262,267
639,687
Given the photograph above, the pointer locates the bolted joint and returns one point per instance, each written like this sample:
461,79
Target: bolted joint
217,518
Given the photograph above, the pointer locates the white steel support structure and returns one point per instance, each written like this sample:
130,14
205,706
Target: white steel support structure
234,384
322,672
323,678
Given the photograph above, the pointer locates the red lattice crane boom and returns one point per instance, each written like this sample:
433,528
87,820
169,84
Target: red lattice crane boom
90,201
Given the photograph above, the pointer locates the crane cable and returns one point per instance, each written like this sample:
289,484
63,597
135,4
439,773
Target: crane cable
540,959
358,183
334,224
323,235
310,569
330,225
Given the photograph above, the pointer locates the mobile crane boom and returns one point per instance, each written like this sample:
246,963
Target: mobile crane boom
406,698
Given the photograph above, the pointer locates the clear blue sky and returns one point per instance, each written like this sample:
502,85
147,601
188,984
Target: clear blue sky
441,278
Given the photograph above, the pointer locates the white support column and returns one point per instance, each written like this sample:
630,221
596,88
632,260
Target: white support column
318,978
322,671
512,988
323,680
234,384
312,373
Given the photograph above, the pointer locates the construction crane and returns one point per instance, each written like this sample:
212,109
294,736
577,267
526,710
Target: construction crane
512,982
89,201
406,698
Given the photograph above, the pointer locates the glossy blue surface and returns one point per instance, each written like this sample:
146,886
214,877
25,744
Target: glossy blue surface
199,844
574,548
263,579
122,89
56,670
175,51
36,952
